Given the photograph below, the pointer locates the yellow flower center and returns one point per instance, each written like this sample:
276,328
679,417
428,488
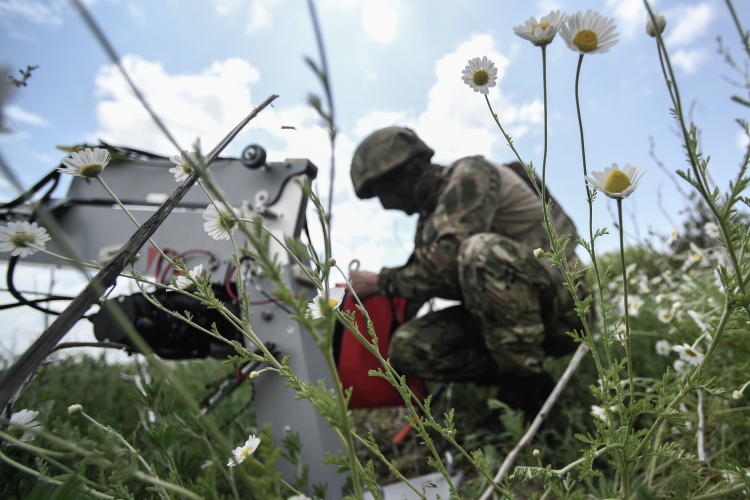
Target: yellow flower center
586,40
691,353
22,240
186,168
91,170
246,452
225,221
617,182
544,26
480,77
333,302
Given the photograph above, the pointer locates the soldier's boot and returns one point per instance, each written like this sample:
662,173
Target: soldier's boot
502,283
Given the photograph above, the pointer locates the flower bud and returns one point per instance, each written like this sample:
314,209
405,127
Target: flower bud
736,395
661,23
538,253
331,262
535,453
75,409
135,258
254,375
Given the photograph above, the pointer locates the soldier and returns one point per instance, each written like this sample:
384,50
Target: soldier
478,225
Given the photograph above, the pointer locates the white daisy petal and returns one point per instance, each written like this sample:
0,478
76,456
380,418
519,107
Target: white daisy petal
87,163
335,298
23,426
543,32
241,453
589,33
614,182
480,74
23,238
220,226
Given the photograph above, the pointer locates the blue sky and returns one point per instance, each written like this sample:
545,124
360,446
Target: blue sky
204,64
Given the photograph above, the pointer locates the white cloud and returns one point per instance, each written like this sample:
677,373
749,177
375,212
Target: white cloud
630,16
545,6
205,105
259,12
690,59
379,20
687,24
18,114
260,15
43,13
226,6
136,13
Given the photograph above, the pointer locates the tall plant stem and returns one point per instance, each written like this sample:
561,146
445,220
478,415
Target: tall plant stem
592,241
130,216
344,416
625,480
544,158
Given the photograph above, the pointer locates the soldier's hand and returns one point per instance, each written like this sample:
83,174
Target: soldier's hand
364,283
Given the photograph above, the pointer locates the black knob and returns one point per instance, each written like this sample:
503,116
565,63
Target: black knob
253,156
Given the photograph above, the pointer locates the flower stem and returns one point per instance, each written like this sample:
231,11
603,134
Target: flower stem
625,481
592,241
344,415
127,212
544,158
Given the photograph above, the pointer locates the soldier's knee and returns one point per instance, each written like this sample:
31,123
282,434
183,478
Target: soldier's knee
401,351
478,247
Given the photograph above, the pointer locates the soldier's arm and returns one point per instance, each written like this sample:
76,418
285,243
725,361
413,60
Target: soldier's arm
465,207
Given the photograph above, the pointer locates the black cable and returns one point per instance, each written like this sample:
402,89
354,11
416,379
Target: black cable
52,176
23,300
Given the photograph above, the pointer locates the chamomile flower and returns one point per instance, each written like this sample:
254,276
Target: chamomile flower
699,319
616,183
660,298
635,306
679,366
541,32
185,283
664,315
220,225
21,238
599,412
673,237
663,348
23,426
661,23
694,257
589,33
711,230
335,298
87,163
687,353
480,74
239,454
182,170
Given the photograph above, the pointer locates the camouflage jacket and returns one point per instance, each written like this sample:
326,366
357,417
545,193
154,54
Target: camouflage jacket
475,196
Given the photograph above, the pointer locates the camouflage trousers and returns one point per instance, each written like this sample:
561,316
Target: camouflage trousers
509,300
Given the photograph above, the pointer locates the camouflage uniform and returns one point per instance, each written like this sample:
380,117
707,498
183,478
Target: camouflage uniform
464,250
479,223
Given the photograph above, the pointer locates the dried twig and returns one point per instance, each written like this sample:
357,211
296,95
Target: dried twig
526,439
35,354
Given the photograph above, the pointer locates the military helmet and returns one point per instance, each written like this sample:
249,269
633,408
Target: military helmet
382,152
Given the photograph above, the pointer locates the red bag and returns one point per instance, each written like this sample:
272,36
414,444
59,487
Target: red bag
355,361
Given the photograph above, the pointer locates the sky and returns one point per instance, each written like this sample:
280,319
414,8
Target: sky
204,64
